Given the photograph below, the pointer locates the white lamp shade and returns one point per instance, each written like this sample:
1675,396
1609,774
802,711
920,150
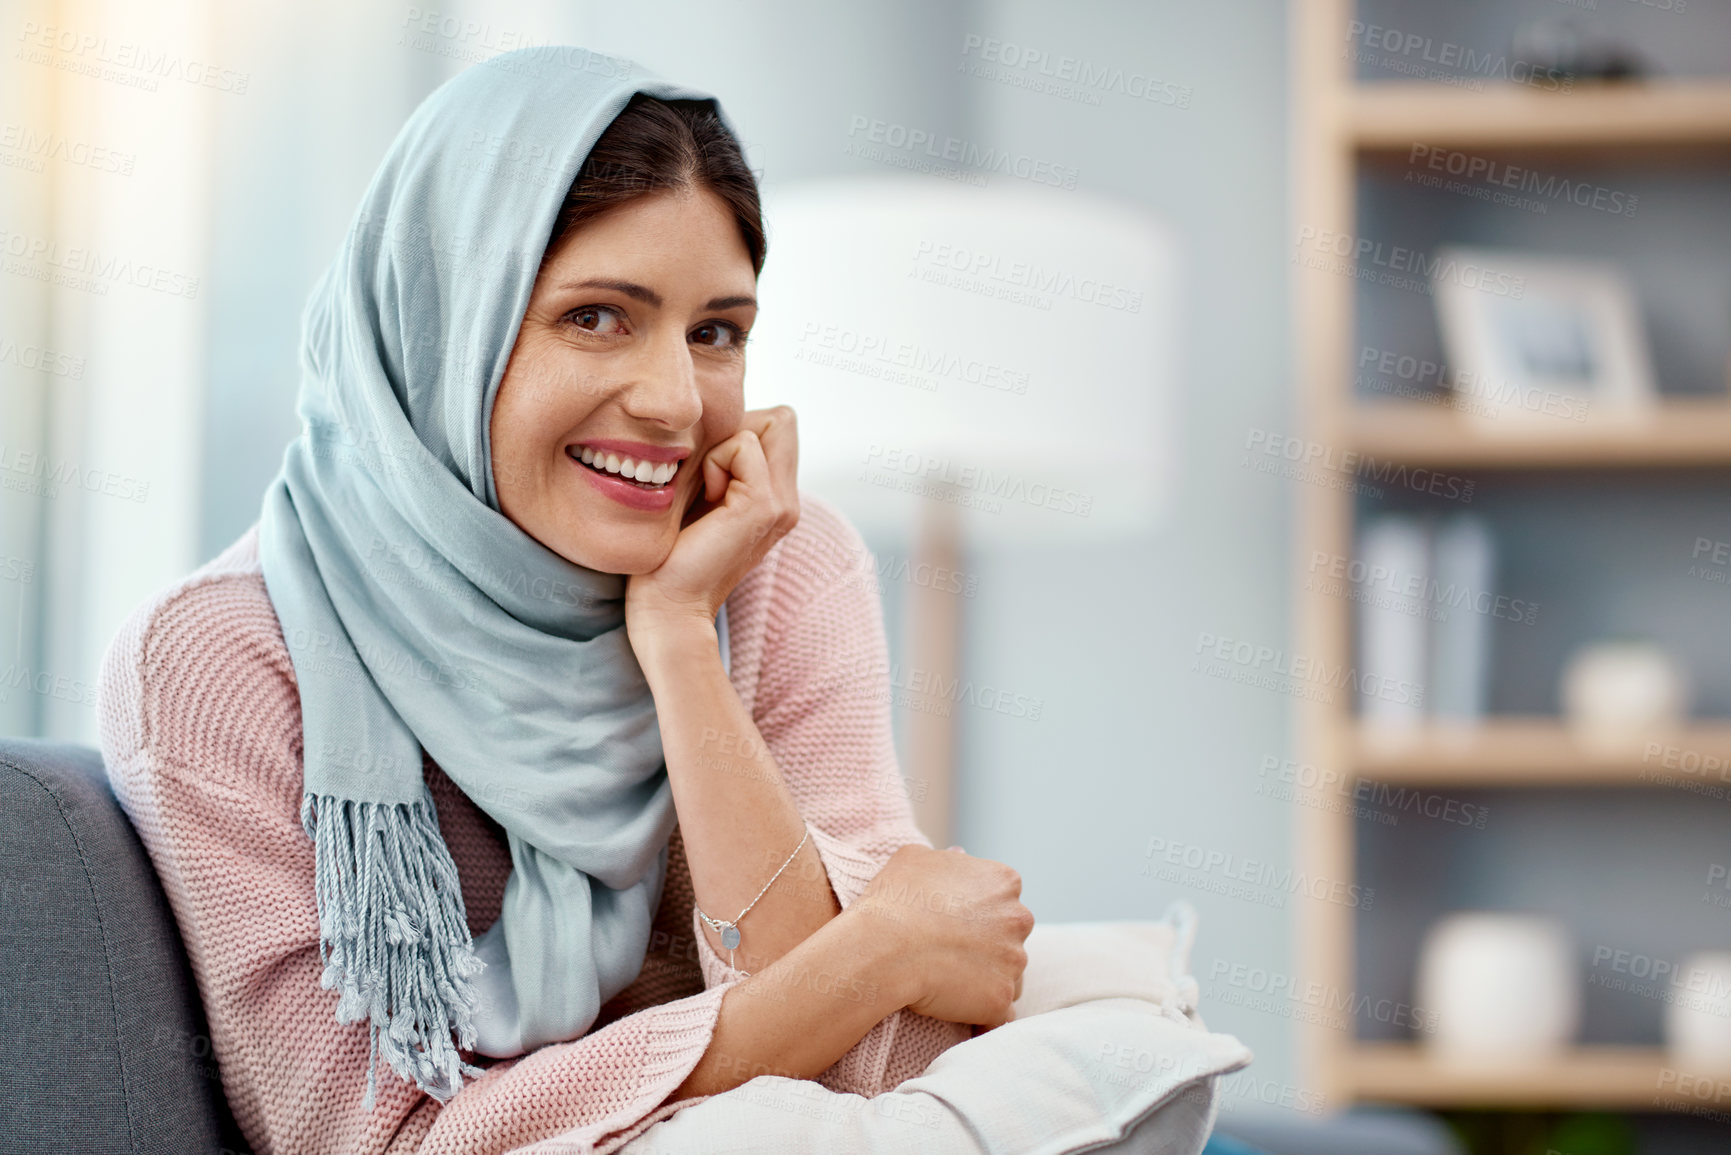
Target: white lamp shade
1008,351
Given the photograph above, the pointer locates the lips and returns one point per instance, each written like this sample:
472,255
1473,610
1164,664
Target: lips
615,468
639,470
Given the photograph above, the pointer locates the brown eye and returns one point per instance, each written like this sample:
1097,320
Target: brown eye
718,334
603,319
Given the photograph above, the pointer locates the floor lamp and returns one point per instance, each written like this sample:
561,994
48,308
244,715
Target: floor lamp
972,368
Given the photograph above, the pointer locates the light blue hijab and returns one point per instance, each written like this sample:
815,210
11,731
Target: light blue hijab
418,616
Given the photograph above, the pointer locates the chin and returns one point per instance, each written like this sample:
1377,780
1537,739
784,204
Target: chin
622,557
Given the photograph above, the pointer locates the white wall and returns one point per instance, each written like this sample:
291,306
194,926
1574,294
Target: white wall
1132,743
116,283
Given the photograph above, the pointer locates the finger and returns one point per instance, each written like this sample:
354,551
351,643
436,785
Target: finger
760,421
741,457
751,468
776,430
779,433
715,478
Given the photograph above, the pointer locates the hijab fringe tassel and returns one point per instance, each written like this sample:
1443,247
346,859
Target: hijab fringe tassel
382,871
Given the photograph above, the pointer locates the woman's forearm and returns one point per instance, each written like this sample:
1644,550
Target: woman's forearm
797,1016
737,816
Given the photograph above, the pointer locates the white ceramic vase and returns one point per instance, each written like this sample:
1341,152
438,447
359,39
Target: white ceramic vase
1619,695
1504,989
1698,1013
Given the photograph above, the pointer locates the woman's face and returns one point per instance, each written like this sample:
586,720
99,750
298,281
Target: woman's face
631,355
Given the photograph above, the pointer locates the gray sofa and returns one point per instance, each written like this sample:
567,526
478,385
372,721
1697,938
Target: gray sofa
100,1009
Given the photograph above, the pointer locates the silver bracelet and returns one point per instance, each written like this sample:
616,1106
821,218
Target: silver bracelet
729,931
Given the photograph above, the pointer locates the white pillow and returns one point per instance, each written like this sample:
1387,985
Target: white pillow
1075,1073
1073,962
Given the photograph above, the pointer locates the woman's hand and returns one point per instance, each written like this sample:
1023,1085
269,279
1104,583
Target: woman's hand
961,926
750,499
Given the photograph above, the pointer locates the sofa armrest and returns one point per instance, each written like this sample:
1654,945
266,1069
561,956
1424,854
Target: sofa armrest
98,1005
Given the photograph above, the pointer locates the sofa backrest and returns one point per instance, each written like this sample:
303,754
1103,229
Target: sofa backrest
98,1005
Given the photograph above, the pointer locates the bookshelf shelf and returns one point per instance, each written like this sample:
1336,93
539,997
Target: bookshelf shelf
1393,116
1538,751
1674,433
1634,1078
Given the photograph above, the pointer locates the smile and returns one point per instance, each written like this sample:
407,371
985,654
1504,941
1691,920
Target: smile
646,474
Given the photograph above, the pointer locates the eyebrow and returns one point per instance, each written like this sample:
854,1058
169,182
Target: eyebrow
649,296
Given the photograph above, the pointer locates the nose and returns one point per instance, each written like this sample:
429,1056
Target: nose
664,388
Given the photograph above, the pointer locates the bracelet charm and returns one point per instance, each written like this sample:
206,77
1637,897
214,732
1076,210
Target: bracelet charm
729,931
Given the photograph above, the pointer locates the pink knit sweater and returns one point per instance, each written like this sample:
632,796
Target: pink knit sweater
201,730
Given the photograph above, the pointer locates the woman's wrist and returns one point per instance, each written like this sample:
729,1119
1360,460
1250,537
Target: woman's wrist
672,640
879,941
802,1013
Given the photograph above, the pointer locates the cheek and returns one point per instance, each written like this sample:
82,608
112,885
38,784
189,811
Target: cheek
724,406
512,432
536,404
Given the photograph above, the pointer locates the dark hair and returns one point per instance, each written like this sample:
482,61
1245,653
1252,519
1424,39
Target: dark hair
664,144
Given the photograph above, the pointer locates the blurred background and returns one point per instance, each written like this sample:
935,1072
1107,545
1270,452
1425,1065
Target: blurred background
1295,441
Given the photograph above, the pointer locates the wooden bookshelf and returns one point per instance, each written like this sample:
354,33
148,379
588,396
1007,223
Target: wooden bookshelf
1340,129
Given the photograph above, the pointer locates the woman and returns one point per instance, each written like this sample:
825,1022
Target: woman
538,724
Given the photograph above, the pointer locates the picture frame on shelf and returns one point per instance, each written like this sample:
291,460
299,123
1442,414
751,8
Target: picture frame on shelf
1537,341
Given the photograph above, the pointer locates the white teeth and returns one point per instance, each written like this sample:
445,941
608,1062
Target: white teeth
646,472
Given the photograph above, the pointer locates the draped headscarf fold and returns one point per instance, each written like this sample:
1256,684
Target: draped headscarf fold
419,618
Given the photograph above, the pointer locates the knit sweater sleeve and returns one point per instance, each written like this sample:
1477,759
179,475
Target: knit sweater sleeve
200,728
819,674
